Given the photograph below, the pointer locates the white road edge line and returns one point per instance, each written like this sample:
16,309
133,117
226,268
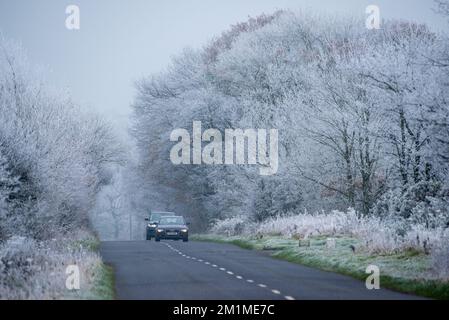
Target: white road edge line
289,298
276,291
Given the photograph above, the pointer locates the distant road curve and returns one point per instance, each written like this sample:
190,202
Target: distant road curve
204,271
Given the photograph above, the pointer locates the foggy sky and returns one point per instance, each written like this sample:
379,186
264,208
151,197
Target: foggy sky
121,41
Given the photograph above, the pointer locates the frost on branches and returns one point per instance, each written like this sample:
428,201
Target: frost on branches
53,161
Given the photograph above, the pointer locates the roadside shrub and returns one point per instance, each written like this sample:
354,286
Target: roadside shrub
231,226
53,162
305,225
53,158
423,203
36,270
378,236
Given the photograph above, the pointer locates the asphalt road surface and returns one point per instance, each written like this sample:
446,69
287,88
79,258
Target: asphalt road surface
204,270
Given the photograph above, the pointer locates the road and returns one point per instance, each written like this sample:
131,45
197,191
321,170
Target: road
203,271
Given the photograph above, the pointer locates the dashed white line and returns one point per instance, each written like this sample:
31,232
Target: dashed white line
261,285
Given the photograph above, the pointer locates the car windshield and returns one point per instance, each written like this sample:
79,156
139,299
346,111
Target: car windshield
155,217
171,220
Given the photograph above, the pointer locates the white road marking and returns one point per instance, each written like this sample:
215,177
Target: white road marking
261,285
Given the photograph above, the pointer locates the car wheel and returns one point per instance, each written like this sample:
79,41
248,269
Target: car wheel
185,240
148,237
157,239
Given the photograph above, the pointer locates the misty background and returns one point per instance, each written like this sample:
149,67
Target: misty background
86,117
121,41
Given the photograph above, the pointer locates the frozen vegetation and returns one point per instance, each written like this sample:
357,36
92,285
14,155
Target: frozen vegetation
363,120
54,159
370,236
31,269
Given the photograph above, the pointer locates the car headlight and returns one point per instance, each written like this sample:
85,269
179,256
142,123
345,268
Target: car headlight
152,225
184,230
160,230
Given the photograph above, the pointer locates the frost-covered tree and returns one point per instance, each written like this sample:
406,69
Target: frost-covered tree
362,116
9,186
59,154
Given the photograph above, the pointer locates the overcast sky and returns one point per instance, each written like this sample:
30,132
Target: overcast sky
121,41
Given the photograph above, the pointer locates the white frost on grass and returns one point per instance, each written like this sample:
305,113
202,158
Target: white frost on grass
374,236
36,270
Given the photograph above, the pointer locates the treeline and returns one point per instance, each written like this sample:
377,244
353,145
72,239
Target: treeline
363,118
53,157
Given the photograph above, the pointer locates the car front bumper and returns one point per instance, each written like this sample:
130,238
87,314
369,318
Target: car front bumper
172,235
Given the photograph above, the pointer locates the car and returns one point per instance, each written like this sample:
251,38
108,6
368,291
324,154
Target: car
153,222
172,227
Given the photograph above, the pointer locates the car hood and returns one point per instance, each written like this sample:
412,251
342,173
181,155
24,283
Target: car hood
172,226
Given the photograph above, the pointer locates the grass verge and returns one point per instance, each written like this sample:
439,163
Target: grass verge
103,281
104,288
407,272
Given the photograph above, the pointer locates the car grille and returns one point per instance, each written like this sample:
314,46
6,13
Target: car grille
172,232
